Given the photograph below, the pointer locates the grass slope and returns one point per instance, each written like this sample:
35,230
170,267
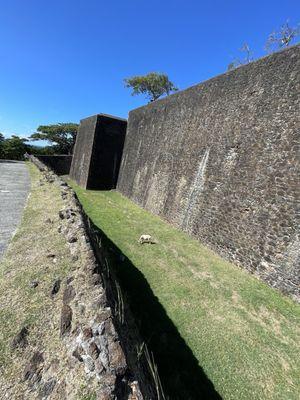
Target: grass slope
20,304
244,335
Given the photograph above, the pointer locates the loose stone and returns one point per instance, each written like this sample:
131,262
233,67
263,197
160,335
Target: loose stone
65,320
55,287
20,340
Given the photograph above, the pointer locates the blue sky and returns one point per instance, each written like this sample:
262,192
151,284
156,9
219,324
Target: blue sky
64,60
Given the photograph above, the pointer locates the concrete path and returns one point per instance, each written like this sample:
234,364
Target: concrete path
14,189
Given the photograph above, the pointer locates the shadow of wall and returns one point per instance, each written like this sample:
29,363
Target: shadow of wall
179,374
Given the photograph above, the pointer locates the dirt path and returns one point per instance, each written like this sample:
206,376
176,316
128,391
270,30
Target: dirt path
14,188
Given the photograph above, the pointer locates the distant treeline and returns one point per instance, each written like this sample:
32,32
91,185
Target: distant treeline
61,137
15,147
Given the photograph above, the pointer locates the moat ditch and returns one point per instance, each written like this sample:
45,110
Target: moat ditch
192,324
162,352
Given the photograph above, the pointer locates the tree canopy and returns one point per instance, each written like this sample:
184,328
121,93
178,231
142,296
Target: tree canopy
153,85
62,136
13,148
1,145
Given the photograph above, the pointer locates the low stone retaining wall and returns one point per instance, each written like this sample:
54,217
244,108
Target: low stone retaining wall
96,325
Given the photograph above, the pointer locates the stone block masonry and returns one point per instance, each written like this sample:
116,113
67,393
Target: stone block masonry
98,151
221,160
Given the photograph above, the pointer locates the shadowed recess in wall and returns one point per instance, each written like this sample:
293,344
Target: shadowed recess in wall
180,373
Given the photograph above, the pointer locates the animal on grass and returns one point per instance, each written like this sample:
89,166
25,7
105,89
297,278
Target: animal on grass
146,239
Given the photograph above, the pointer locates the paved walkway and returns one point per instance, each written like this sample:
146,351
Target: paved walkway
14,188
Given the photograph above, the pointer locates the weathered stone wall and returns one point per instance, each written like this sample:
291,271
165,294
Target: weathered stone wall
60,164
98,151
221,160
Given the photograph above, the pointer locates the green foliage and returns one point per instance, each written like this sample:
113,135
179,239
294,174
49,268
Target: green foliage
86,394
1,145
62,136
41,150
13,148
153,85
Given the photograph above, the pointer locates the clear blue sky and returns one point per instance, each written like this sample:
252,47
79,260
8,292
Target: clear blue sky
64,60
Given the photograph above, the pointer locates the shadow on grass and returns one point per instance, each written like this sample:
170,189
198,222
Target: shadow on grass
180,373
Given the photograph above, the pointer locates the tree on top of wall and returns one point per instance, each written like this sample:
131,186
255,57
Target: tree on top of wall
62,136
153,85
282,38
248,57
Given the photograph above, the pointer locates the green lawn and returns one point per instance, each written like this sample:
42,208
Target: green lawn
204,318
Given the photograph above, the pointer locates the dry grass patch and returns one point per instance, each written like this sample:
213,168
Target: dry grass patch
36,253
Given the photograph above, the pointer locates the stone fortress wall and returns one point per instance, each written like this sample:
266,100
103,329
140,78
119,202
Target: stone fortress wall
221,160
60,164
98,151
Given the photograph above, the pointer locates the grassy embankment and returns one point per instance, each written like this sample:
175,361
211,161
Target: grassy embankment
204,318
27,260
